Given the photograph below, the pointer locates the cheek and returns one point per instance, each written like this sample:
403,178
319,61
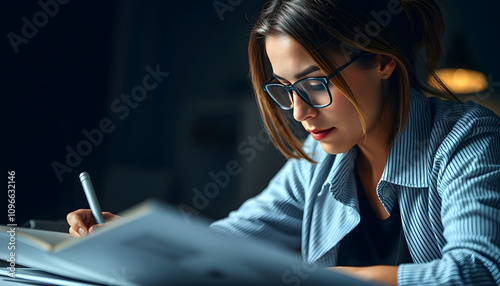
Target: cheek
343,107
367,90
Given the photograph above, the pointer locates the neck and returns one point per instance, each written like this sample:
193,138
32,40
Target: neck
374,151
372,160
373,148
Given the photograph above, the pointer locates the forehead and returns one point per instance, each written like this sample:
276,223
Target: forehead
285,53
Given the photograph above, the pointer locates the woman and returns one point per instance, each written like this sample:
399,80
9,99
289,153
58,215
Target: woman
392,186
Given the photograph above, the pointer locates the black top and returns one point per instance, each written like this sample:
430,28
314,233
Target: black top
374,241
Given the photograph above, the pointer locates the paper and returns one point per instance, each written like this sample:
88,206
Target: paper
153,244
30,276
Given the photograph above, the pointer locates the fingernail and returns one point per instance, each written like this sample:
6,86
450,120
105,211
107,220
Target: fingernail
94,228
81,231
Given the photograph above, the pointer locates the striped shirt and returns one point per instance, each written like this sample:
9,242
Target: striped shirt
443,171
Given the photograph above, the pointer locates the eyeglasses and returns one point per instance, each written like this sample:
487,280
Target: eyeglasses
313,91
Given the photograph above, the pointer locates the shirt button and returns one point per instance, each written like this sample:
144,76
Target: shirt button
386,192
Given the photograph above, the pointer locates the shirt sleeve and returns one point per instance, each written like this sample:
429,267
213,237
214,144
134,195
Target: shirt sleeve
469,187
276,214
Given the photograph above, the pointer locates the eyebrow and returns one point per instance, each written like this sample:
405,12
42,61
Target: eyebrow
300,74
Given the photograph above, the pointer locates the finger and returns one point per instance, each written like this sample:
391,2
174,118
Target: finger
74,223
95,228
109,216
113,219
75,234
81,218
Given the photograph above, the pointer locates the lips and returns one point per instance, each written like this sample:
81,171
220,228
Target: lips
320,134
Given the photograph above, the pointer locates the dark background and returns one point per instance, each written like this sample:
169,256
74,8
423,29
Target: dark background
65,78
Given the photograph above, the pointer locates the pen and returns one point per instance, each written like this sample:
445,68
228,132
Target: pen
91,197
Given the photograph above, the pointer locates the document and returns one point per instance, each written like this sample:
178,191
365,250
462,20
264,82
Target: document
153,244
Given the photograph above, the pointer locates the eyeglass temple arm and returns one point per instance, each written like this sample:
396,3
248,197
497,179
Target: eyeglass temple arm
343,66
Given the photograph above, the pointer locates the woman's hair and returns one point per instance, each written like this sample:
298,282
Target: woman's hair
396,28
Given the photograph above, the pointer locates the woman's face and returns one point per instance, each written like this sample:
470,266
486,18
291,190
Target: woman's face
337,127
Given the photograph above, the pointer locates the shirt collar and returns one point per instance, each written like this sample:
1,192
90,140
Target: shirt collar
407,164
341,177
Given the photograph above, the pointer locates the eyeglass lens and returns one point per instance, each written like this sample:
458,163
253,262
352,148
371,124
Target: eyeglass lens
312,91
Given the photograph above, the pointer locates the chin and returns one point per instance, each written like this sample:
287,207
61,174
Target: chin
334,149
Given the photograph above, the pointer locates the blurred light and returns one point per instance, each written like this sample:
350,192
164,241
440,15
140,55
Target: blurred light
461,80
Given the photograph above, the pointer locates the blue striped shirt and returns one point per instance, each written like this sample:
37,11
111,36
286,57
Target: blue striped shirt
443,171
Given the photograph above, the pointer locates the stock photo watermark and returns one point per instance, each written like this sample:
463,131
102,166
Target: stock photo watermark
222,7
298,273
121,277
373,28
121,107
30,27
485,94
220,180
11,218
456,112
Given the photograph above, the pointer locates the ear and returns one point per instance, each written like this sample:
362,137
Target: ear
386,66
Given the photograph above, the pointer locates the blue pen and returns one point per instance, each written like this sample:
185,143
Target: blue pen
91,197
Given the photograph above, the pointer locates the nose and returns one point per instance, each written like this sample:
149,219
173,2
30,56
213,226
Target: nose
302,110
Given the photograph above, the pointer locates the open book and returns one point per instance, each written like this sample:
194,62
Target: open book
152,244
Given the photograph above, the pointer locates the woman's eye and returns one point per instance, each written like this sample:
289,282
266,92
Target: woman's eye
317,87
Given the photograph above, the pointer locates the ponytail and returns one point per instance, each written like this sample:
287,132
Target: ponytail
427,29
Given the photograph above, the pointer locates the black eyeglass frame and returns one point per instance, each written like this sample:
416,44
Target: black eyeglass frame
324,80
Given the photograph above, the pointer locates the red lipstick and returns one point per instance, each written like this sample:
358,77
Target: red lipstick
319,134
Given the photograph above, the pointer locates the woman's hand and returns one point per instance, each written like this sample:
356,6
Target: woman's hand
82,221
379,273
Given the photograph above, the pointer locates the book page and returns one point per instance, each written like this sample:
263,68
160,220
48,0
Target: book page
156,245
